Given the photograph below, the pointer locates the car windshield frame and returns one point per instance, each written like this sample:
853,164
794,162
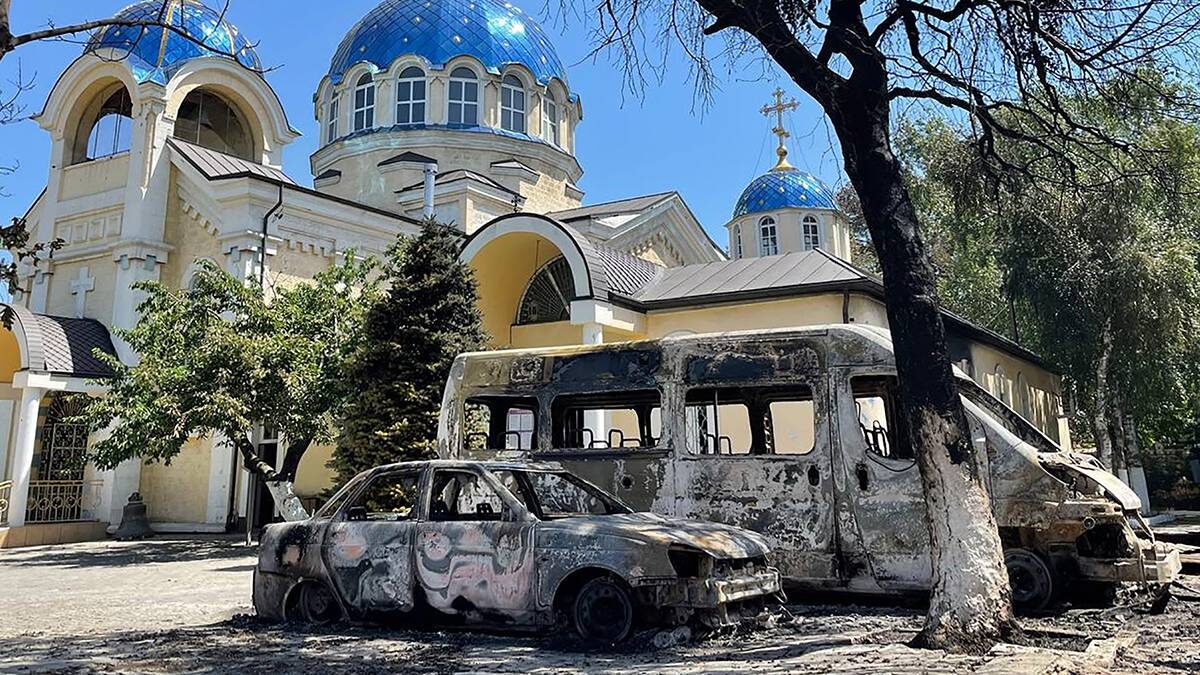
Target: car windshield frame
1010,419
331,508
529,496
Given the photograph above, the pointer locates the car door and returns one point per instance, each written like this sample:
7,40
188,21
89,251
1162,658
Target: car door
882,482
368,544
475,548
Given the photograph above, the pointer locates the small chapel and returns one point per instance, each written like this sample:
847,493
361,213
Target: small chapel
167,149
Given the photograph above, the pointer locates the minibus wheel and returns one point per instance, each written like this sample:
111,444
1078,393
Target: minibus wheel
1031,579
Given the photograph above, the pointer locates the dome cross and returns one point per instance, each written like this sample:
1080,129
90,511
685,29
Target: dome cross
778,109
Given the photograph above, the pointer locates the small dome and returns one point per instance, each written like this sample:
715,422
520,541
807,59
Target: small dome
497,33
782,188
155,52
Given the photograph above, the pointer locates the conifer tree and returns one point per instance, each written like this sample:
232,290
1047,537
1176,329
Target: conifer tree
428,315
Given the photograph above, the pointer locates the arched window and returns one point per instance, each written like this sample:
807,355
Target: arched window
364,103
550,118
737,241
463,97
811,232
1002,389
331,124
113,127
768,240
410,96
208,120
548,297
1023,398
512,104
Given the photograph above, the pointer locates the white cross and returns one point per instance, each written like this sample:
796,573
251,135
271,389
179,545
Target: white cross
79,288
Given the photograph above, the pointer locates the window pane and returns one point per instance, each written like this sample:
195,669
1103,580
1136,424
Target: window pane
463,496
518,434
471,90
597,422
418,90
723,428
793,425
391,496
469,114
418,113
456,89
875,404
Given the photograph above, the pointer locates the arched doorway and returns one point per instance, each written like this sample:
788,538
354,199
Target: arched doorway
207,119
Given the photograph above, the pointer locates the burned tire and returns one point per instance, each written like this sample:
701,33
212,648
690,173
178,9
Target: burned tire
317,605
603,610
1030,578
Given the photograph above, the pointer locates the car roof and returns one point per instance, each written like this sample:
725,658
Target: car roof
489,465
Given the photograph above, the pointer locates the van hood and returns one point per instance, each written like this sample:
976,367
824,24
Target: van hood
718,540
1091,468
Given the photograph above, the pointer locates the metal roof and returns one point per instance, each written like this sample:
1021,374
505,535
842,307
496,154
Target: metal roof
155,52
620,206
216,165
709,281
497,33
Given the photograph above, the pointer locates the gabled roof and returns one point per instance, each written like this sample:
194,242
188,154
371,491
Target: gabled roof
456,175
745,276
618,207
217,165
408,156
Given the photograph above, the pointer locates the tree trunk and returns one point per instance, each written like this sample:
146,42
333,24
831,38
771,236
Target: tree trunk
281,484
1104,450
970,605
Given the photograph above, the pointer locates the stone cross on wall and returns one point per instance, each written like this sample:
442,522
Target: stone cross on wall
79,288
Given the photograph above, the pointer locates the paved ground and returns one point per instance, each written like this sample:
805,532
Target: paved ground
176,605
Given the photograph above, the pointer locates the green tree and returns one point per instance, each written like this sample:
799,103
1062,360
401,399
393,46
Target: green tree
216,359
427,316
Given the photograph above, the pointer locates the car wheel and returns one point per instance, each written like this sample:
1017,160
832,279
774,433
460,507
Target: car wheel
603,610
317,605
1031,579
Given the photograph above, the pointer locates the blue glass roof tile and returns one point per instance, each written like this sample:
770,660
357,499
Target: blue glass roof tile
154,53
781,189
495,32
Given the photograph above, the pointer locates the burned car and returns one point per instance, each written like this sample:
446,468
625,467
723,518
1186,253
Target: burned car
516,544
796,434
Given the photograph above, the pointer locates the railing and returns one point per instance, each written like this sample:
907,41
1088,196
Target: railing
63,501
5,490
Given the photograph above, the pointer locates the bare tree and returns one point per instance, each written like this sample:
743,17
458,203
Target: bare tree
988,61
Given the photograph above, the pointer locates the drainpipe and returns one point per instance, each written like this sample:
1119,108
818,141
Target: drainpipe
430,171
262,255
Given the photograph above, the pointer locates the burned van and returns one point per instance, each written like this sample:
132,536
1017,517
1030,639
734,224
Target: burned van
796,434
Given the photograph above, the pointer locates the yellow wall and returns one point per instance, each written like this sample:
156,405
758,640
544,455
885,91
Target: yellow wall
503,270
10,357
61,302
178,492
190,239
313,476
1040,403
802,311
94,177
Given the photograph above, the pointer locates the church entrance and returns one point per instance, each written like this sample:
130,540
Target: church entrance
58,491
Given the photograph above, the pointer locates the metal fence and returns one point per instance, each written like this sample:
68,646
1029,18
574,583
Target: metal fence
5,491
63,501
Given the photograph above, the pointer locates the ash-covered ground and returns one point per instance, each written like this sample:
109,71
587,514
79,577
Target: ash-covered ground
183,605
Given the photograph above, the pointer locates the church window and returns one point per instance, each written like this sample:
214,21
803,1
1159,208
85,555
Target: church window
548,296
512,105
737,241
464,97
768,240
550,118
364,103
209,121
111,133
331,124
812,233
410,96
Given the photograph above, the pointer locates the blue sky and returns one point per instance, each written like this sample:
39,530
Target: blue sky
627,146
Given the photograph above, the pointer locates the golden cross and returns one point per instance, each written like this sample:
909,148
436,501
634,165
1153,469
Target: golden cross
778,109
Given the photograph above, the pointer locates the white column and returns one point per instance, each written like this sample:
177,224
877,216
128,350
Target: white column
220,478
22,468
593,334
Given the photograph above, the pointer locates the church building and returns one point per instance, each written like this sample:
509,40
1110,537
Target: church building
166,151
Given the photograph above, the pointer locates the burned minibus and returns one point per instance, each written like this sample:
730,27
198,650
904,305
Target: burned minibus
796,434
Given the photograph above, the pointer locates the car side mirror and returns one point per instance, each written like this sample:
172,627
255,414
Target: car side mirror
356,513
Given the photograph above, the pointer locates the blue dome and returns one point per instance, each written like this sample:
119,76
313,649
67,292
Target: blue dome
781,189
496,33
154,52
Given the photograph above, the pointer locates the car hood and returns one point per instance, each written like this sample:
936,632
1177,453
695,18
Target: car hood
1092,469
718,540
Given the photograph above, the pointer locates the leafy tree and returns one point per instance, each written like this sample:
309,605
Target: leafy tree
1102,268
981,59
216,359
427,316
